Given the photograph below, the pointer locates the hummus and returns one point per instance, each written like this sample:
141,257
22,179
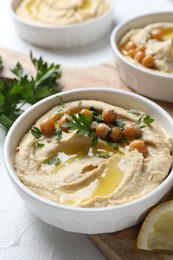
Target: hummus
156,40
61,12
67,169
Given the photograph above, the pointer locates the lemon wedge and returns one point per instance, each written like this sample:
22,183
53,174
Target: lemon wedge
157,229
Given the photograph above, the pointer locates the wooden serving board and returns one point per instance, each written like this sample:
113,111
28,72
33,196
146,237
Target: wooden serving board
120,245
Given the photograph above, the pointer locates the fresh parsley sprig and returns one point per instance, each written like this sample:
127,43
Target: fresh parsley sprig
82,124
26,89
146,119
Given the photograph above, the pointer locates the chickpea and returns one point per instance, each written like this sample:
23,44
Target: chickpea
116,134
148,61
157,34
139,145
108,116
63,120
47,127
87,113
132,130
102,130
131,53
141,47
139,56
130,45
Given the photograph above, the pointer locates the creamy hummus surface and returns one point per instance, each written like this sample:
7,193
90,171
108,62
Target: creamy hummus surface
77,164
151,47
61,12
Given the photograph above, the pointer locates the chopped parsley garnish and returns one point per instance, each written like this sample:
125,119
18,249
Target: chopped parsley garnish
148,120
35,131
58,133
139,120
119,123
82,124
106,156
53,160
38,145
114,145
134,111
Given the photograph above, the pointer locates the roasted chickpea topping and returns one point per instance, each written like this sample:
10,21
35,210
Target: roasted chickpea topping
102,130
108,116
141,47
139,56
47,127
131,53
138,145
130,45
132,130
148,61
157,34
87,113
64,120
116,134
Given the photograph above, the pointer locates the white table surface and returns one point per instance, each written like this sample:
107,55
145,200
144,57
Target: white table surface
22,235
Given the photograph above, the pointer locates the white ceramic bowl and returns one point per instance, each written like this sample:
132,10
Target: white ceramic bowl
63,37
145,81
86,220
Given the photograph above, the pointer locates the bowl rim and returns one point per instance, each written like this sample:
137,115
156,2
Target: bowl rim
62,27
114,43
11,172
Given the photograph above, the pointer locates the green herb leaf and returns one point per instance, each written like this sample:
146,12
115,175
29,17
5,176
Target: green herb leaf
142,126
94,139
139,120
98,118
53,160
148,120
115,146
35,131
106,156
38,145
119,123
58,133
26,89
18,70
134,111
82,124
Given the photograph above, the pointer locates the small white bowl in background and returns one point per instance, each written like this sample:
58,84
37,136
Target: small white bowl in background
63,37
144,81
86,220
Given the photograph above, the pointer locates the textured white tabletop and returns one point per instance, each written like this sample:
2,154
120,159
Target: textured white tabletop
22,235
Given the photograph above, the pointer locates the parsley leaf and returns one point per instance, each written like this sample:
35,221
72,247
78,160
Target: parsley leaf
82,124
35,131
94,139
14,94
58,133
53,160
134,111
38,145
115,146
106,156
148,120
